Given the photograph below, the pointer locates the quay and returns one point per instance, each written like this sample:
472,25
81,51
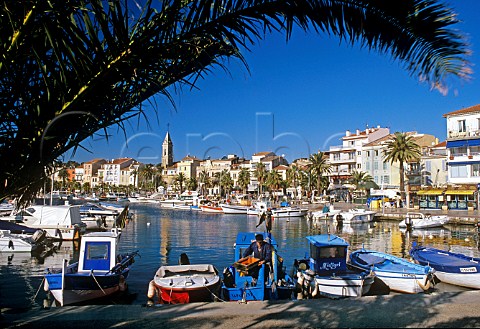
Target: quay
445,310
457,217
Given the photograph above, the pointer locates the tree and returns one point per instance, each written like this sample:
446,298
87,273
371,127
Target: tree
319,166
204,181
273,180
63,175
244,179
192,184
146,175
71,68
225,182
180,179
260,174
359,178
293,175
401,148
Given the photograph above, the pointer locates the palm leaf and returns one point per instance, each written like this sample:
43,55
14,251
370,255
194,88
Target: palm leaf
70,68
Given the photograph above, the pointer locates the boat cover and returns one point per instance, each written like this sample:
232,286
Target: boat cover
445,261
370,259
16,228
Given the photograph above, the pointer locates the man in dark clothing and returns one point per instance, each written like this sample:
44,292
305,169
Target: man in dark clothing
261,250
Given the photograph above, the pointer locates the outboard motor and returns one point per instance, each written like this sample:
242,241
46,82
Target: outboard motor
228,279
183,260
39,236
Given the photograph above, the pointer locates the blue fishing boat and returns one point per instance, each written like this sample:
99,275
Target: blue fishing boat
453,268
325,271
247,281
397,273
100,271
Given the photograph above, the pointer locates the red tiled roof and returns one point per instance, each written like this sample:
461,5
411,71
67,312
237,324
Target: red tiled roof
471,109
441,144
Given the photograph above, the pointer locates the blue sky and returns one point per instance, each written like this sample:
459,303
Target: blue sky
299,97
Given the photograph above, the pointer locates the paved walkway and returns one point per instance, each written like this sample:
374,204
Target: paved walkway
446,310
456,216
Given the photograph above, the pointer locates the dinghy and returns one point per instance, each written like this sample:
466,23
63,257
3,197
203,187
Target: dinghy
453,268
397,273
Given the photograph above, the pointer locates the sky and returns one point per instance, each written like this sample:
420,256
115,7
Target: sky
296,98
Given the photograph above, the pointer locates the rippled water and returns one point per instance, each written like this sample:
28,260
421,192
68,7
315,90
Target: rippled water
161,235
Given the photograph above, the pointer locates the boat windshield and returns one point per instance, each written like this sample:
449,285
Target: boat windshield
327,252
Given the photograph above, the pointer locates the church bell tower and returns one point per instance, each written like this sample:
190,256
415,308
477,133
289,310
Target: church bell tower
167,151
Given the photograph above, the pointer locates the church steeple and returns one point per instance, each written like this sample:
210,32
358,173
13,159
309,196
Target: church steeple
167,151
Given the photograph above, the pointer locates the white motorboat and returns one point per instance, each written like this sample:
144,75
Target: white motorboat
357,215
60,222
287,212
19,238
234,209
418,220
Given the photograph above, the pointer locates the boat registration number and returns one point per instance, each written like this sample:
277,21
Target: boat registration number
468,269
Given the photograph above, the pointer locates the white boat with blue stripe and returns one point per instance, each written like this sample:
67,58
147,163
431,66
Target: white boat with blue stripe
397,273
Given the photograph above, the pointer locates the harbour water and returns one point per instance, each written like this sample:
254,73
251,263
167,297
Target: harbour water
161,235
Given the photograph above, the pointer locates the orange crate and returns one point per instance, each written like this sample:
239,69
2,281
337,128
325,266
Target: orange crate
245,264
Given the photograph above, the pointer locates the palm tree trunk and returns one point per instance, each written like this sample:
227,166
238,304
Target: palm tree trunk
402,181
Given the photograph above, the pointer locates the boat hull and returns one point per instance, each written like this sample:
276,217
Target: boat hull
209,209
78,288
287,213
181,284
344,286
451,268
397,273
231,209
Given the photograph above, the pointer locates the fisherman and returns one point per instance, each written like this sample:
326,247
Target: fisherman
261,250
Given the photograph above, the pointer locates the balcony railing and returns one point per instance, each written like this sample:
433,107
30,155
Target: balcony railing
452,134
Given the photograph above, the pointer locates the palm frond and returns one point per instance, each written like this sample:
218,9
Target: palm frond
69,68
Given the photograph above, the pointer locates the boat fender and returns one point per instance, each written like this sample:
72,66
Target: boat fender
122,284
46,286
152,290
315,291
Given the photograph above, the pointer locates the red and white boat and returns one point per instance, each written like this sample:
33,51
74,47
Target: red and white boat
182,284
211,208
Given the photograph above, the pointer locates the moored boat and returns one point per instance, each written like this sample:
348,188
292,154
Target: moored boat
418,220
246,281
211,208
234,209
100,271
185,283
288,212
397,273
325,272
356,215
453,268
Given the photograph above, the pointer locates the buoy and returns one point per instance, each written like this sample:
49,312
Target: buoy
151,290
46,286
148,224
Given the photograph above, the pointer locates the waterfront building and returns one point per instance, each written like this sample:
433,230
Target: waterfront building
347,157
110,173
463,151
90,171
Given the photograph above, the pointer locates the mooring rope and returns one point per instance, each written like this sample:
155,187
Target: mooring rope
94,278
39,288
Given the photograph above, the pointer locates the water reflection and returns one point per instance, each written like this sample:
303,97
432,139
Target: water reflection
161,235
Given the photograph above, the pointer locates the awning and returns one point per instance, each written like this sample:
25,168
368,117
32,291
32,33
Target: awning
429,192
464,143
459,192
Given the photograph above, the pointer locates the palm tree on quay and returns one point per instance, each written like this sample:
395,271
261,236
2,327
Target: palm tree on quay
260,174
401,148
71,68
320,168
244,179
